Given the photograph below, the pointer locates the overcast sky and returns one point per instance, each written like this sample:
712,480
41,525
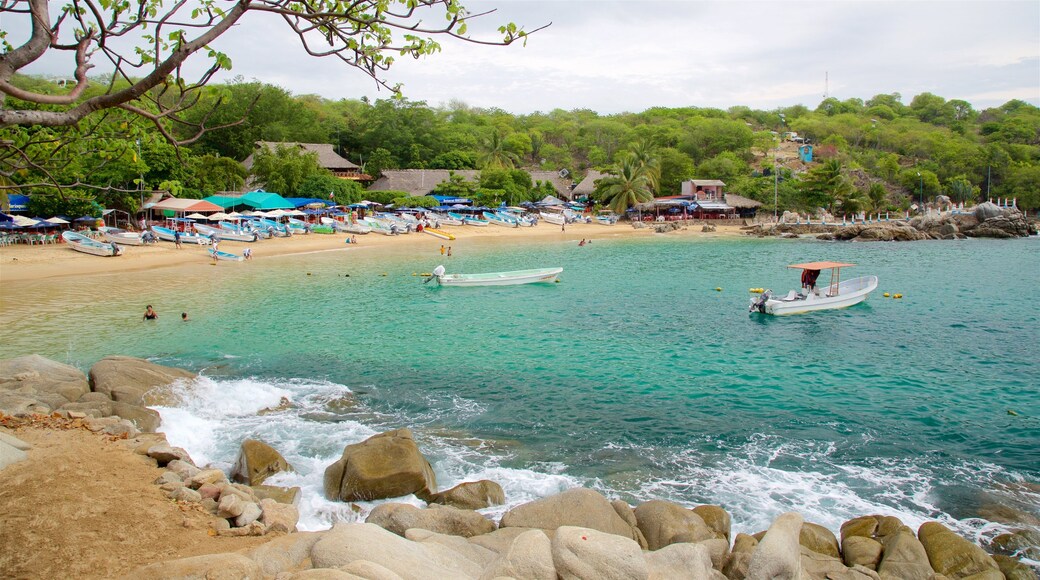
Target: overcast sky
613,56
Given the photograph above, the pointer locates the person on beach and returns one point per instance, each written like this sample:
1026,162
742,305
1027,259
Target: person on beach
442,249
177,238
563,226
150,314
449,251
184,316
247,253
353,239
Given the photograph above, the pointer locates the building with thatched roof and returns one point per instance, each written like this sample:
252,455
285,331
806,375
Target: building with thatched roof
745,207
327,158
420,182
586,186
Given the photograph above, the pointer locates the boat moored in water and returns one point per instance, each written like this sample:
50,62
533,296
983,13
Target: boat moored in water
515,277
837,294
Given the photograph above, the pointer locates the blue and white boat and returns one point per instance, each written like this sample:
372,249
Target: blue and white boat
469,220
225,256
379,226
225,235
500,220
82,243
167,234
298,226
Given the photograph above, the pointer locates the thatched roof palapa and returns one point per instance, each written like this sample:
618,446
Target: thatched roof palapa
741,202
420,182
588,185
327,156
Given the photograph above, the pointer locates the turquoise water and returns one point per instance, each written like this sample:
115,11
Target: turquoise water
633,375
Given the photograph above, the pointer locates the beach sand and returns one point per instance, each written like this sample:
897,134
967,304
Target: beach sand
83,505
25,263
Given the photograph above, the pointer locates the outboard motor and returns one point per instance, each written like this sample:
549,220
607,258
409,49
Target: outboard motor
760,303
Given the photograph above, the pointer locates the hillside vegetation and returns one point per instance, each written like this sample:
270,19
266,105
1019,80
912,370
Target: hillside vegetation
881,154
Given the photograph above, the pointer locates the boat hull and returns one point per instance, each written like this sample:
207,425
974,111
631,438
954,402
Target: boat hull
544,276
225,256
553,218
83,244
499,220
123,237
166,234
850,293
226,235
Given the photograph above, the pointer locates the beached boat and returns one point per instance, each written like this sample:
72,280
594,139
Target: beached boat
837,294
469,220
402,226
553,218
298,226
445,220
226,234
272,228
500,220
606,219
166,234
439,234
379,226
125,238
225,256
345,227
82,243
541,275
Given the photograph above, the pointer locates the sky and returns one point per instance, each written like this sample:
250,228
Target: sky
626,56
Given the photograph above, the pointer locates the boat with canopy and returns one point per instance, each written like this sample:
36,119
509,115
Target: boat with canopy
836,294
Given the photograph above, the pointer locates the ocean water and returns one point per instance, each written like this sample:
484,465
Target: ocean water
633,375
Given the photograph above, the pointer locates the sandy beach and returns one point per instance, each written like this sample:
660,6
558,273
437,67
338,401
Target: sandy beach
26,263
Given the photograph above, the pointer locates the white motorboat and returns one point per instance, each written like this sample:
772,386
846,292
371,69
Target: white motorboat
445,220
553,218
837,294
379,226
227,235
125,238
543,275
82,243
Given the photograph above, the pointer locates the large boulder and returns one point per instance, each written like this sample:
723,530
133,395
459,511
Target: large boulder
864,526
1012,569
256,462
529,555
1010,224
739,559
716,518
382,466
145,419
129,379
34,375
575,507
400,517
283,554
286,495
681,562
861,551
819,539
470,495
583,553
952,555
904,558
986,210
777,556
663,523
347,543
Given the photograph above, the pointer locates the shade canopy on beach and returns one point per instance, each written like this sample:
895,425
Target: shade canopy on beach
56,220
218,216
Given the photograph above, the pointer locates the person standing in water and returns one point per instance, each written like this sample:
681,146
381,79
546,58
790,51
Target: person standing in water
150,314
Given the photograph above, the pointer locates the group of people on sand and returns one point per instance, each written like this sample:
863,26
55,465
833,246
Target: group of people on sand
445,251
151,314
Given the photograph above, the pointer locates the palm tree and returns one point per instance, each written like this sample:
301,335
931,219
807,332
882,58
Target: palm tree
496,155
645,155
630,186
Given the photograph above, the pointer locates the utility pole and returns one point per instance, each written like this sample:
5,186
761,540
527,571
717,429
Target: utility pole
140,180
776,167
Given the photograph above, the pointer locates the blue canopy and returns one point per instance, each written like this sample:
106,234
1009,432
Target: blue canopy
18,202
450,199
5,218
299,202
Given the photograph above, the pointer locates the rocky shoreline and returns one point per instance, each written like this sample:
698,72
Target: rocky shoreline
986,221
575,534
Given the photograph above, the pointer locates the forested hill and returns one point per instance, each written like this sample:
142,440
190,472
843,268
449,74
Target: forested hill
881,154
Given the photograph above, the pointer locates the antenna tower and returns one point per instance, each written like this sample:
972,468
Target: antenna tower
826,83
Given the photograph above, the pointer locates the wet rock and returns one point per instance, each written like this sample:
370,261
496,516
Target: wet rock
716,518
952,555
256,462
286,495
399,517
663,523
383,466
129,379
471,495
575,507
777,555
34,375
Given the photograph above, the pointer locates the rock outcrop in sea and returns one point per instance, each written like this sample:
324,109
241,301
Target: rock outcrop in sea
987,221
575,534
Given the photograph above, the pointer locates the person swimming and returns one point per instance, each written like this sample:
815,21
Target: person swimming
150,314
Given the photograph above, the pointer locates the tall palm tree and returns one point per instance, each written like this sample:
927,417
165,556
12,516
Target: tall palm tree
628,187
496,155
645,155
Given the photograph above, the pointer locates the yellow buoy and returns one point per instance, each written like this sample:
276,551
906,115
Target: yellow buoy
898,296
886,294
426,274
383,274
718,289
414,274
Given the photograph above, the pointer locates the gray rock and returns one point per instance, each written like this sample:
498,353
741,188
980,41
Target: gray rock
663,523
22,405
185,494
205,476
251,512
1013,569
528,556
777,556
230,506
14,441
575,507
35,375
287,495
256,462
986,210
163,454
184,468
212,566
129,379
9,454
383,466
122,428
90,409
92,397
326,574
584,553
399,517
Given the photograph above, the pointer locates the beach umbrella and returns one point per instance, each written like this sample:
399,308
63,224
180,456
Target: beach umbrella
234,215
196,216
56,220
24,222
217,216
